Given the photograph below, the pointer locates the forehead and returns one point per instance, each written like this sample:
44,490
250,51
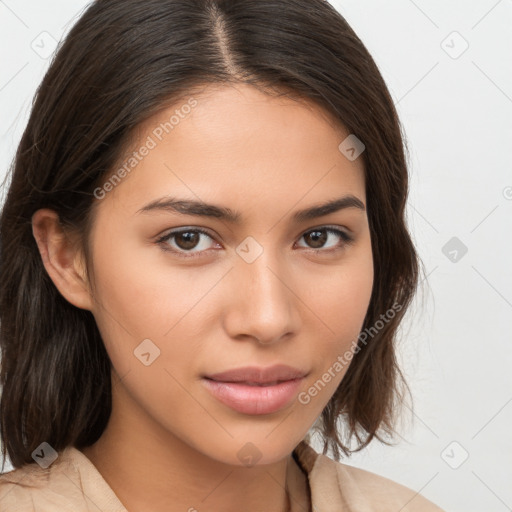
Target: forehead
239,144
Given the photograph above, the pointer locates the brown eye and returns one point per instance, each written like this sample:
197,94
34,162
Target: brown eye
316,238
184,241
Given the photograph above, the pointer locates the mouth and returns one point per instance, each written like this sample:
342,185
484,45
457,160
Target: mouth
258,376
254,398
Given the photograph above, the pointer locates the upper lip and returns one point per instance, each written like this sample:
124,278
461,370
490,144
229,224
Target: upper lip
260,375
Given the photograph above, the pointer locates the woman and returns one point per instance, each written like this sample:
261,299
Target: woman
204,260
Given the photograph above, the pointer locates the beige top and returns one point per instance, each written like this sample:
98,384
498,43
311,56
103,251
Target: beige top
316,483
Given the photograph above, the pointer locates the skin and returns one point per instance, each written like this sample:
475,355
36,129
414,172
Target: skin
170,445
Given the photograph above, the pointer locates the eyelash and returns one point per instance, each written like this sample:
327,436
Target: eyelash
162,241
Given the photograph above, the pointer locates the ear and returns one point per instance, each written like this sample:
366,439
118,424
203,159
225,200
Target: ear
62,260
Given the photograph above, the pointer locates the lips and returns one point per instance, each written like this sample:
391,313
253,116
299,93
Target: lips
259,376
253,390
247,399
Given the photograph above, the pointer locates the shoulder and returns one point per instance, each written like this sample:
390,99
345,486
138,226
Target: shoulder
390,495
69,483
337,483
22,488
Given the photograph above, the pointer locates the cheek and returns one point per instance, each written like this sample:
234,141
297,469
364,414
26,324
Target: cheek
347,296
133,286
141,298
130,299
343,306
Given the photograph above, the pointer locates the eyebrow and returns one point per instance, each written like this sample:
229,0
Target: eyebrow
198,208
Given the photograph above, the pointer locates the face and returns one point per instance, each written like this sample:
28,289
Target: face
181,295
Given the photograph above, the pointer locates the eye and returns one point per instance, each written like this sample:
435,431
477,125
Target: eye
184,240
318,237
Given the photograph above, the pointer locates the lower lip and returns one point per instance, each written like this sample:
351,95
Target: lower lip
254,399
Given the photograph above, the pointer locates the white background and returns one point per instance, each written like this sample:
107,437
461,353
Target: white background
456,108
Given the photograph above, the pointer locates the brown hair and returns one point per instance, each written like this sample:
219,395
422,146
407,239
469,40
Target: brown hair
123,61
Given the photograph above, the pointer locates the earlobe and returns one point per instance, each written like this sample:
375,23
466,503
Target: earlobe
61,258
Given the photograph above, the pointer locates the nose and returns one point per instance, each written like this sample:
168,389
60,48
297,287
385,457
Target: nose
264,305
